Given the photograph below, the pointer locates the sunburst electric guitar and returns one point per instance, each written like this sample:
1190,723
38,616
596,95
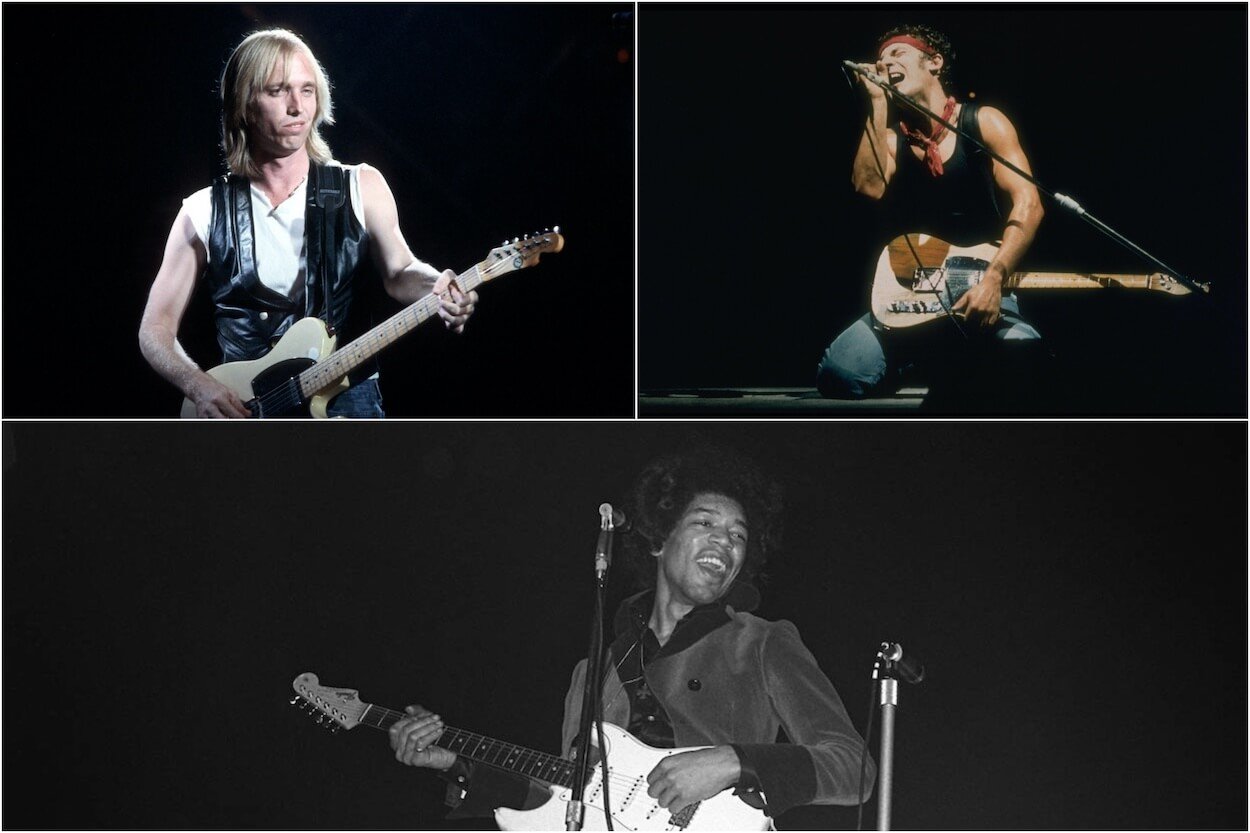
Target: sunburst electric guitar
304,371
920,277
629,761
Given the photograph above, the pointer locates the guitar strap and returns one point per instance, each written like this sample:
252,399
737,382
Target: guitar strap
328,197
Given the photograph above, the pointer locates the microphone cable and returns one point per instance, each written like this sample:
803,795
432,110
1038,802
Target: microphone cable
876,157
863,752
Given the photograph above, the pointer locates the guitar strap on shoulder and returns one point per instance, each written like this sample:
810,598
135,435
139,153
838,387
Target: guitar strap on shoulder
328,184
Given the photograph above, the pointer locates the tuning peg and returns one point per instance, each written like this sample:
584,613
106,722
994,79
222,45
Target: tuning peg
556,229
296,700
516,240
334,728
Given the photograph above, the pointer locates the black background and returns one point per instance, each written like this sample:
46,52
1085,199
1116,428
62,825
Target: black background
1077,590
755,253
489,122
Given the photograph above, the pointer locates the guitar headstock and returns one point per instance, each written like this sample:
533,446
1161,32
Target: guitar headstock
521,253
333,707
1170,285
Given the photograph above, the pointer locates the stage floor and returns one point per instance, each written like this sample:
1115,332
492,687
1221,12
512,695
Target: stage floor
747,402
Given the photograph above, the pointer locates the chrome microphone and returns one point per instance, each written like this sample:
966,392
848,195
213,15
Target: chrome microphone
871,76
909,668
612,516
610,520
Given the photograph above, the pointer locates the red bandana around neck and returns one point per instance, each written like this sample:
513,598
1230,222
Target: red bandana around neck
930,144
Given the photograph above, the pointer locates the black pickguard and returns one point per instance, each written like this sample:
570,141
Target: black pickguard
277,391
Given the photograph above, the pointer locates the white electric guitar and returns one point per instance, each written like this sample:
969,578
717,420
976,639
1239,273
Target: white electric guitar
919,278
629,761
304,371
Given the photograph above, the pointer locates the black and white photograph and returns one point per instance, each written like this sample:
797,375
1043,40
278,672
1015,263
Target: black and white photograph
1072,595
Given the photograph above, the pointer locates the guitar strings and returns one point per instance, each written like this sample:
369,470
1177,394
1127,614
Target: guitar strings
287,397
547,762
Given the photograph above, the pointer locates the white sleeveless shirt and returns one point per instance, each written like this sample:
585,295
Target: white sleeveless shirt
279,232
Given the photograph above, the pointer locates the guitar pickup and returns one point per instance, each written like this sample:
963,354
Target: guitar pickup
919,307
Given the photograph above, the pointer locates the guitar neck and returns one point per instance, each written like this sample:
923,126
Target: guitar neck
1078,280
539,765
351,356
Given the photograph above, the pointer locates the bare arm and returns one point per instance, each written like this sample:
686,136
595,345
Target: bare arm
982,303
1026,204
182,264
876,145
406,277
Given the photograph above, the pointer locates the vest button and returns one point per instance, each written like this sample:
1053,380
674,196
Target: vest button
264,316
694,685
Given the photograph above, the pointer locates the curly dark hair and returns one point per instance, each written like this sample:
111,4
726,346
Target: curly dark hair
667,485
937,41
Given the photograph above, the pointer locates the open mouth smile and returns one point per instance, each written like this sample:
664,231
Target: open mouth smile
713,563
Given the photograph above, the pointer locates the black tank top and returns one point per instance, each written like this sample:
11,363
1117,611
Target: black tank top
960,206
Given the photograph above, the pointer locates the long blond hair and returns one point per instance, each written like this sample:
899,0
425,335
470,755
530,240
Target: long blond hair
245,75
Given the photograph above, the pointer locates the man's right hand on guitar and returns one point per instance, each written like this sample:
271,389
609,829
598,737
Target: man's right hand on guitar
213,400
412,739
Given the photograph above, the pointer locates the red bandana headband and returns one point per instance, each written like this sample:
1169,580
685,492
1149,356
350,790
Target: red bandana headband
910,41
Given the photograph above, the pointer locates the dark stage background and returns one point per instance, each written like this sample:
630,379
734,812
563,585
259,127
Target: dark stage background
1078,592
754,252
489,122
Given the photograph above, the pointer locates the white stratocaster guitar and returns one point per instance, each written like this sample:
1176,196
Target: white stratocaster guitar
920,277
304,371
629,761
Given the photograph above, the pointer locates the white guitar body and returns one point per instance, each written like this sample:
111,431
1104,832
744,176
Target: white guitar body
629,762
304,344
919,278
904,296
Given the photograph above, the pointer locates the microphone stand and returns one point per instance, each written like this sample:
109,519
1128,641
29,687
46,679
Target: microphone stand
574,814
1065,201
885,767
890,666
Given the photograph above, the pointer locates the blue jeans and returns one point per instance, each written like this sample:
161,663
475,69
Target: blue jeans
362,400
865,360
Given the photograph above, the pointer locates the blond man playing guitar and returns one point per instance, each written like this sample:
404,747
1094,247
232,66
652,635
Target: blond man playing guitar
275,97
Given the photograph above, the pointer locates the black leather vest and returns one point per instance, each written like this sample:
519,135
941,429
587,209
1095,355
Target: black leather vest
960,206
250,316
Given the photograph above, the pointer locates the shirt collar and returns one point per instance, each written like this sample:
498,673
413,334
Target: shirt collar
633,613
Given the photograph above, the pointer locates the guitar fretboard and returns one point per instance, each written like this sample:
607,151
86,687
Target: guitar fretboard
346,359
498,753
1068,280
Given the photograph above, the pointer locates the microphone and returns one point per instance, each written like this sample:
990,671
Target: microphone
884,83
909,668
609,520
612,518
